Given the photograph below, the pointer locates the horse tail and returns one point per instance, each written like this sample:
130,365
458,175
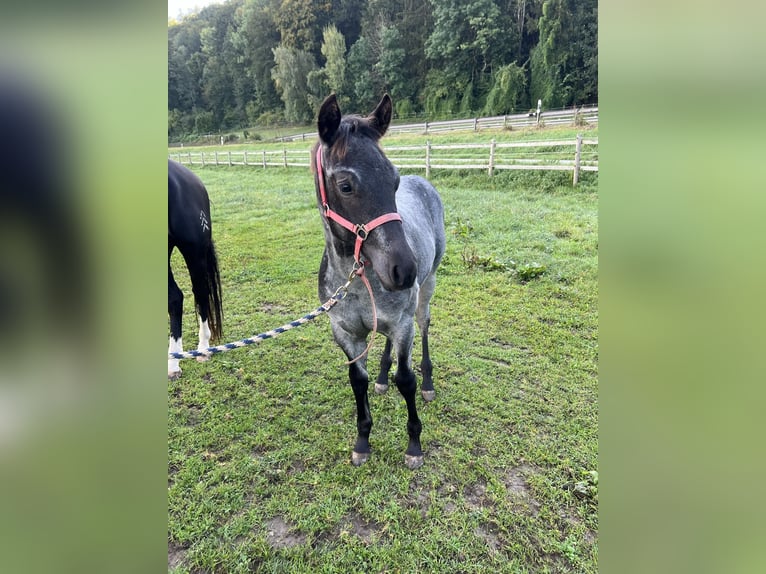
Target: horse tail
215,318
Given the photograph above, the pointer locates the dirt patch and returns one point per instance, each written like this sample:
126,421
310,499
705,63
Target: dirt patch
367,532
487,534
475,496
518,488
176,555
280,534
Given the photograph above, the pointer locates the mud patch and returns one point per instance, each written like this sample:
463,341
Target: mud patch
489,536
176,555
280,534
475,496
354,524
518,488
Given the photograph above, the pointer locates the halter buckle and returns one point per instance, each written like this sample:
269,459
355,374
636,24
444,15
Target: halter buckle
361,232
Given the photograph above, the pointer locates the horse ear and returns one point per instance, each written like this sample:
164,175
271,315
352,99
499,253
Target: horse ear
328,120
381,116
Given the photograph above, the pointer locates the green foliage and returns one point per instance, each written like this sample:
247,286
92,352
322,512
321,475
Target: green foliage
508,92
442,59
291,74
334,51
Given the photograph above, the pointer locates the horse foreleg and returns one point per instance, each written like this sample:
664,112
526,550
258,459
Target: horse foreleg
423,318
357,376
381,384
175,311
406,383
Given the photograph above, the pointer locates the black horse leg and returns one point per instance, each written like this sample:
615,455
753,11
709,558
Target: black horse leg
407,384
381,384
426,367
423,318
359,381
175,311
195,261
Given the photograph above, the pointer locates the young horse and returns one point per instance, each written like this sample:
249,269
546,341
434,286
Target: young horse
373,220
190,230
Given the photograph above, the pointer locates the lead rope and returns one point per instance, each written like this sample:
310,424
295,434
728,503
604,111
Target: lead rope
360,272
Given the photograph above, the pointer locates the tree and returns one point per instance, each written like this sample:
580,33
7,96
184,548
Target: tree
509,91
390,64
334,51
564,63
290,76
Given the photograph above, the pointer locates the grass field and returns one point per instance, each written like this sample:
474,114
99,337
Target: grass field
259,439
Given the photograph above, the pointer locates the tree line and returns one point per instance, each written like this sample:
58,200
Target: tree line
263,62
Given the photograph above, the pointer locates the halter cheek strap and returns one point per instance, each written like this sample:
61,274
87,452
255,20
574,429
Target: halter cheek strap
362,232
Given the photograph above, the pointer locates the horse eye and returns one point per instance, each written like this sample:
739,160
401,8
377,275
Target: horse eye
345,187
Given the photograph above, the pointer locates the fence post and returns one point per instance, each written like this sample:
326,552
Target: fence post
578,149
203,159
264,159
426,127
229,158
491,170
189,154
428,158
216,157
245,157
284,156
476,124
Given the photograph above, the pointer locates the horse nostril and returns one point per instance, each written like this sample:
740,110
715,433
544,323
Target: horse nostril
403,276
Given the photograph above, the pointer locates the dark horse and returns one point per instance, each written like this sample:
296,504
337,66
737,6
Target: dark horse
190,230
393,226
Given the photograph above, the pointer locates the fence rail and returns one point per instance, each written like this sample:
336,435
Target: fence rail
587,115
575,155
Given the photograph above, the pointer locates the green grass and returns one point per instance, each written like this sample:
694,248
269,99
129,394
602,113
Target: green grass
259,438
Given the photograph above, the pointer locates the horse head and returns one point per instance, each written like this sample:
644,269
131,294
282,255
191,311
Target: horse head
356,189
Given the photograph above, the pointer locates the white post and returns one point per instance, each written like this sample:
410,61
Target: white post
491,170
428,158
578,148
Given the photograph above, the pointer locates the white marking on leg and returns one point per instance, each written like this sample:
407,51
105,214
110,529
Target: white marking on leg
204,339
174,367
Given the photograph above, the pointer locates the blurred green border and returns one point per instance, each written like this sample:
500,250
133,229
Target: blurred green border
83,486
681,280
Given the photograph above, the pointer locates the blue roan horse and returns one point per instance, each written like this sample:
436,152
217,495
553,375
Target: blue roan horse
190,230
394,227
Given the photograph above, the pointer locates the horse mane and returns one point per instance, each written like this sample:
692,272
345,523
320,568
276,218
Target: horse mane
350,125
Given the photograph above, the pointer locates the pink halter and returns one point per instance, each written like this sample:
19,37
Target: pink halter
361,231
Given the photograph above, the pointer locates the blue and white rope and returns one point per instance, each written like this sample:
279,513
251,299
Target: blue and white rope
329,304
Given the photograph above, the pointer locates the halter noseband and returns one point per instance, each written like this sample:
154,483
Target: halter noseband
362,231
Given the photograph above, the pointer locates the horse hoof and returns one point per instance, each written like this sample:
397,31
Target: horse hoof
359,458
203,358
413,462
174,375
381,389
428,396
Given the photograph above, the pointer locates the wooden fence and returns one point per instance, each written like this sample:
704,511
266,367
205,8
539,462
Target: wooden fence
575,155
572,116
